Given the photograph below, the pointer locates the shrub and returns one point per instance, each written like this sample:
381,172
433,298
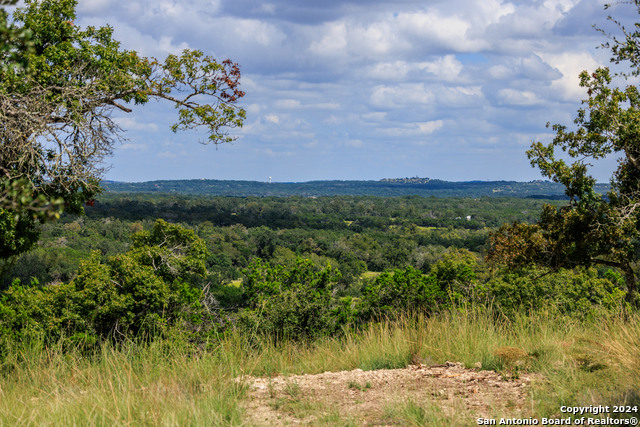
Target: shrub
403,291
294,303
578,292
142,292
452,279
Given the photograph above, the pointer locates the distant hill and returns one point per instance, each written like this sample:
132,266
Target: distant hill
385,188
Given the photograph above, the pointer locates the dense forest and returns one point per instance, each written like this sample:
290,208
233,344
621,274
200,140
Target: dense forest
357,234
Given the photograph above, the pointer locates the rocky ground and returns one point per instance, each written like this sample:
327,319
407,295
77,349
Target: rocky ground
375,397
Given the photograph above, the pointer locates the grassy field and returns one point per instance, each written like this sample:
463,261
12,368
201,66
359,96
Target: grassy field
164,384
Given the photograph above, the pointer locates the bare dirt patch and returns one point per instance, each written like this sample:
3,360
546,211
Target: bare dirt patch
364,397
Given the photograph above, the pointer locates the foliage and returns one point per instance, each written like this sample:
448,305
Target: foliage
14,42
591,229
375,242
579,293
140,293
391,295
452,280
456,272
57,125
291,303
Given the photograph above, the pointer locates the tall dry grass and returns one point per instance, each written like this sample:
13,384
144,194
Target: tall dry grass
167,384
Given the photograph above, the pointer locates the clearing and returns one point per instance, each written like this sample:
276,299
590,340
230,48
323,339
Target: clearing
386,396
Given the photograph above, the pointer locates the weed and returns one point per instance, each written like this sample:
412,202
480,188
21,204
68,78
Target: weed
357,386
292,389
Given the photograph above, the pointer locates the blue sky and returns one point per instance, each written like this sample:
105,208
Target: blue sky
453,90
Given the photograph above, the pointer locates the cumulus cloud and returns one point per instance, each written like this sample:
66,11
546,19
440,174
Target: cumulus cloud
401,95
567,88
412,129
517,97
455,73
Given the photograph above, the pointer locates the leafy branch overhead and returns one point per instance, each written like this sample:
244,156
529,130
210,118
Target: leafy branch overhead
13,41
59,88
58,125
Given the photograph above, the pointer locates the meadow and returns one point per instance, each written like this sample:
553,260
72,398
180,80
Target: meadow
168,383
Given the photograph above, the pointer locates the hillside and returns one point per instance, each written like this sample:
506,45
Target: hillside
386,188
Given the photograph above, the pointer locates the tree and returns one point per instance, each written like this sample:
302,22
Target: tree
141,292
592,229
56,121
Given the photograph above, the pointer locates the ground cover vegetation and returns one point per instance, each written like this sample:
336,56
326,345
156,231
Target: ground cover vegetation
151,309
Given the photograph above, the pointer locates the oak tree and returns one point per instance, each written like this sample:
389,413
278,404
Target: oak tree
56,117
592,229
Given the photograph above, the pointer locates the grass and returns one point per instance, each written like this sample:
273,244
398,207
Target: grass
145,386
357,386
412,414
164,384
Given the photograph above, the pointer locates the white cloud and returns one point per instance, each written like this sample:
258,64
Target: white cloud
93,6
287,103
374,117
273,118
167,155
356,143
128,123
570,65
268,8
517,97
316,72
459,96
134,147
429,127
166,45
413,129
333,42
323,106
253,108
447,31
332,121
500,72
446,68
254,31
400,95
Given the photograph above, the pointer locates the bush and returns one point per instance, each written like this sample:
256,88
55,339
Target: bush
576,292
403,291
452,279
293,303
140,293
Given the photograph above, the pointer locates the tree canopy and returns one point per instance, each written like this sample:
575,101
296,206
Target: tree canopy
592,228
56,117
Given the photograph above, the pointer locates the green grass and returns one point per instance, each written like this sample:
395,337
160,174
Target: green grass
357,386
165,384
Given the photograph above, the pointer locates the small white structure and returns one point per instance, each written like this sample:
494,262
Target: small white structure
468,217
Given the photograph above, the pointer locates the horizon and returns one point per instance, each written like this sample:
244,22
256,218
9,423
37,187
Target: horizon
337,180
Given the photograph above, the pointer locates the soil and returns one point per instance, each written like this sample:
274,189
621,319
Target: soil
368,397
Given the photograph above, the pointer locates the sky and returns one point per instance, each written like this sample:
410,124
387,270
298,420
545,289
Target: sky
366,89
